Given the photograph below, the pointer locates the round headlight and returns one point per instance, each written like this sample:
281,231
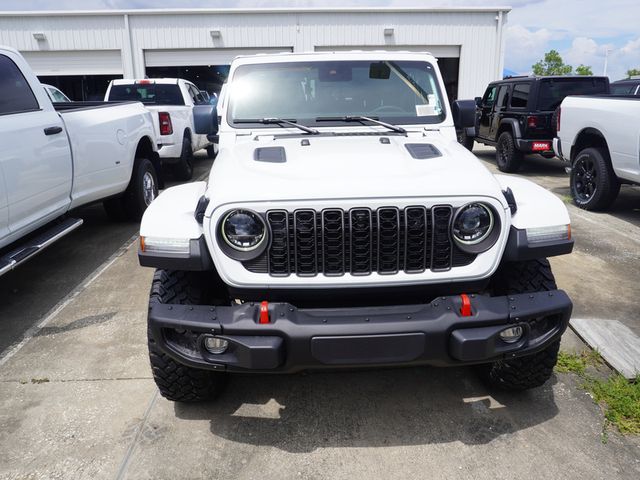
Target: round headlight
473,223
243,230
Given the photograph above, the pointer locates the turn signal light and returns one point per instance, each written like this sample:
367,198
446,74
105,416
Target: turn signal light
166,128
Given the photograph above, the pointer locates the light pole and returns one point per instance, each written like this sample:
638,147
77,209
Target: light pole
606,60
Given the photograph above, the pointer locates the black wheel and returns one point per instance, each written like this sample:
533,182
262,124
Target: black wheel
508,157
175,381
211,151
594,185
465,140
183,170
534,370
142,190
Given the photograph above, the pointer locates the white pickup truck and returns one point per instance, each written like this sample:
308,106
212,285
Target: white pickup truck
171,101
599,137
56,157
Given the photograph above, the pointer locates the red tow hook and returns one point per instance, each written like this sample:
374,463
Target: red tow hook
264,312
465,309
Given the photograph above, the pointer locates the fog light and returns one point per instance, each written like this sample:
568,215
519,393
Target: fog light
215,345
511,334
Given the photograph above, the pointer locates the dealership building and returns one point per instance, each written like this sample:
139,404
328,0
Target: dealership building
81,51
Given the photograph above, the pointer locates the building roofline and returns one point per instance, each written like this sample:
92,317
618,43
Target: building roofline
225,11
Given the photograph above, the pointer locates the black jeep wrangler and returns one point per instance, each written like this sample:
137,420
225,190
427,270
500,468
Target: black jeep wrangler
518,115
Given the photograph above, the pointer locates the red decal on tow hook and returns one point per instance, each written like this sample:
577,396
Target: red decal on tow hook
264,312
465,309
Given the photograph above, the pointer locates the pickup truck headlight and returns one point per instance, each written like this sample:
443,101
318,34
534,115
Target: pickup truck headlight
243,230
474,227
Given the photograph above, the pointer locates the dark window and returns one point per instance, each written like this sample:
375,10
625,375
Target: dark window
553,90
15,94
489,96
148,93
624,89
503,96
520,95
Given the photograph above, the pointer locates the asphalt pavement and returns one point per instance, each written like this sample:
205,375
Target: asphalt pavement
77,399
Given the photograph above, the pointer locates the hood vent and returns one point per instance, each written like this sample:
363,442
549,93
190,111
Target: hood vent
422,151
270,155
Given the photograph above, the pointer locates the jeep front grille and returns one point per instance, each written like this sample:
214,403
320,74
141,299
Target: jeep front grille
359,241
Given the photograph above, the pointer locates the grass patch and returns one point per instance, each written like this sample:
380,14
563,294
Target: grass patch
577,362
618,397
620,400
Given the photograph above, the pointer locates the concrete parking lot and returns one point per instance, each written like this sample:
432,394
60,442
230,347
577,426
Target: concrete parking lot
77,399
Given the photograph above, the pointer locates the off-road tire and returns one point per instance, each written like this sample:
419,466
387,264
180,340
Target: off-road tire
141,191
508,157
531,371
464,140
211,151
183,169
178,382
597,163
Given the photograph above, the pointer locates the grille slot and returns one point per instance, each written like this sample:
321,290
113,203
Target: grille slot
306,255
360,241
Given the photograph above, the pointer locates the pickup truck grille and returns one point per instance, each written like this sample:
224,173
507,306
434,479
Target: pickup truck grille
359,241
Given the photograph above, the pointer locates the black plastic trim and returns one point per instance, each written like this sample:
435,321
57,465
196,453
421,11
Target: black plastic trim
518,247
198,258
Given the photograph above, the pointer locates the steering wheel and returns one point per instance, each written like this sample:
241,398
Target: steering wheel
388,108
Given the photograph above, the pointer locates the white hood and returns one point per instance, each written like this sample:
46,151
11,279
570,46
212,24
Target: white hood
347,167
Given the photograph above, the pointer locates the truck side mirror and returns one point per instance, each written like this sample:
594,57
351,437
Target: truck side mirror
478,101
205,119
464,114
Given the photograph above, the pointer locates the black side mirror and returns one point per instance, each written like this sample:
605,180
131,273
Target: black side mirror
464,114
205,119
478,101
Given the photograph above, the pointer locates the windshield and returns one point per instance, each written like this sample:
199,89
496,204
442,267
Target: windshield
553,90
402,92
624,88
148,93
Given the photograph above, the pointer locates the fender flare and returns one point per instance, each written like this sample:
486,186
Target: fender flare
513,125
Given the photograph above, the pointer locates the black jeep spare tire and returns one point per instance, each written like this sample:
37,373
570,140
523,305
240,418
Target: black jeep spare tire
530,371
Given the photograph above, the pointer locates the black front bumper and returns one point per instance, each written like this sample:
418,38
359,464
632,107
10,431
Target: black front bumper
429,334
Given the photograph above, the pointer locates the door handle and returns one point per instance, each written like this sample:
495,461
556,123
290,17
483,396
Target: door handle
52,130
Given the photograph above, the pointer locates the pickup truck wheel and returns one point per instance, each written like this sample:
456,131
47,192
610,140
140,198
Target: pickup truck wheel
175,381
534,370
508,157
594,185
142,190
465,140
183,170
211,151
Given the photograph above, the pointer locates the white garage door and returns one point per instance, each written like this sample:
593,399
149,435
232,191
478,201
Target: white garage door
438,51
202,56
77,62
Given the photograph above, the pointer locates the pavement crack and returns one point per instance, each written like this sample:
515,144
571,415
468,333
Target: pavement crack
124,465
70,380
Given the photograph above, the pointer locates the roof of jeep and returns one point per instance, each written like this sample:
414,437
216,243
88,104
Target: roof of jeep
363,54
534,78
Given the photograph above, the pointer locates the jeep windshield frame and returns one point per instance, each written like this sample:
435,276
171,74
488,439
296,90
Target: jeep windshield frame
402,92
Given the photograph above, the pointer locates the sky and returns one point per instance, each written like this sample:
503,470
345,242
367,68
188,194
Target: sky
583,31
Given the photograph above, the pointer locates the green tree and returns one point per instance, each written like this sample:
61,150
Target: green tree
583,70
552,64
633,72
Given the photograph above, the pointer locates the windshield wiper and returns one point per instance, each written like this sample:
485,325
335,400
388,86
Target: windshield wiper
277,121
360,118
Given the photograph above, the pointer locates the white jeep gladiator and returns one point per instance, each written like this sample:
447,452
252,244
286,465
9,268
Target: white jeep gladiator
172,102
343,226
598,136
